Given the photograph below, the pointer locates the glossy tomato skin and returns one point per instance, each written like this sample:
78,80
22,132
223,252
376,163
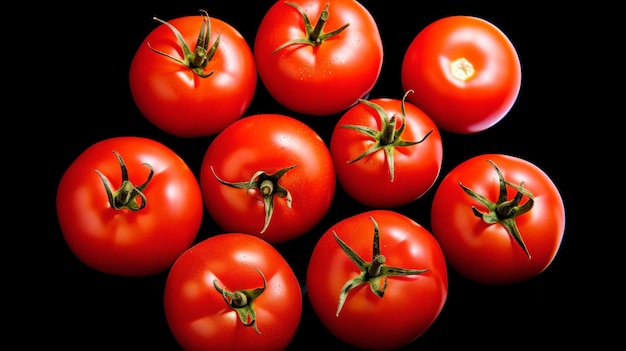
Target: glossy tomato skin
124,242
174,98
416,167
410,304
196,312
487,253
325,79
469,105
268,143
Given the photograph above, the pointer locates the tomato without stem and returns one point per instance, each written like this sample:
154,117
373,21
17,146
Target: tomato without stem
193,76
318,57
232,291
386,152
129,206
465,72
269,175
499,219
377,280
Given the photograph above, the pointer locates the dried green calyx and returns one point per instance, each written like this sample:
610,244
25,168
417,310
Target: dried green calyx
374,273
126,197
202,54
242,301
504,211
388,137
268,186
315,36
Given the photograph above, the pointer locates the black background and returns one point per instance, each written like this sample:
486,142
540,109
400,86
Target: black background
88,99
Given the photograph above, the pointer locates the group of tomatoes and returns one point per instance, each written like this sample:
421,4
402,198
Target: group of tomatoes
131,206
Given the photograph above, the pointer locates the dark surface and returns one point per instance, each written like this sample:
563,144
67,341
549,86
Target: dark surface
79,308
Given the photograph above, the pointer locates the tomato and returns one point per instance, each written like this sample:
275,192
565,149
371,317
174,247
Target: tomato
499,219
193,76
465,72
232,291
269,175
386,152
377,280
129,206
318,57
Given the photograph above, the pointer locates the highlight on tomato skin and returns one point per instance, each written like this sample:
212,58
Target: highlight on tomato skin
466,73
499,219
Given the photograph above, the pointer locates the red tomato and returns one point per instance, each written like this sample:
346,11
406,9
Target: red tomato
465,72
510,230
167,76
386,152
268,175
150,216
232,291
346,292
318,57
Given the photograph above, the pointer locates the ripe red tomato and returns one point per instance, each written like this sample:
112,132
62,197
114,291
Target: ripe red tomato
268,175
167,76
129,206
346,289
310,62
465,72
232,291
386,152
510,229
